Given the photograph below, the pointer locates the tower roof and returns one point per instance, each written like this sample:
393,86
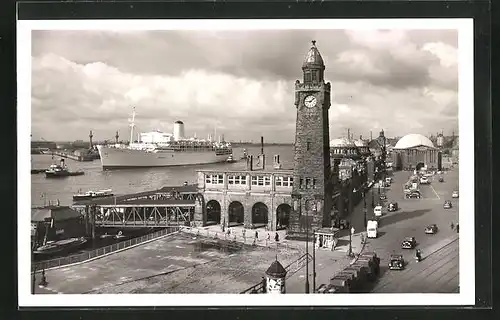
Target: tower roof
313,58
276,270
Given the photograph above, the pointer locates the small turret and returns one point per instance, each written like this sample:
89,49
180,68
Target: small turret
275,280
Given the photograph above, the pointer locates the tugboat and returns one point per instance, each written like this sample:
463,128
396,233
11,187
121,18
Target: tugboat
59,247
93,194
60,170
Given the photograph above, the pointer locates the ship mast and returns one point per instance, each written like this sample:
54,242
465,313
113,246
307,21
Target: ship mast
132,125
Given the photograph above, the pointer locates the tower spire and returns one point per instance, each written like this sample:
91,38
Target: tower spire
313,66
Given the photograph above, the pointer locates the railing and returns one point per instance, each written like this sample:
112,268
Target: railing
100,251
243,238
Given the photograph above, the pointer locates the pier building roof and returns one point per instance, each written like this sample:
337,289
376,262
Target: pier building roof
58,213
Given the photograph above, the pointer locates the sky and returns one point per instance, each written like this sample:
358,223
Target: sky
240,82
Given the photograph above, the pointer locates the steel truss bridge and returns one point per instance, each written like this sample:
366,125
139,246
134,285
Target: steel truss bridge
160,208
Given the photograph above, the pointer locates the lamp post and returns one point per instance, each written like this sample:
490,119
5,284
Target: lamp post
314,262
307,250
33,284
364,206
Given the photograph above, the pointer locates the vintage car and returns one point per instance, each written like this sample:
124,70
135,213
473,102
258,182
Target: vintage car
424,180
431,229
441,179
447,204
396,262
393,206
454,194
383,196
413,195
409,243
326,289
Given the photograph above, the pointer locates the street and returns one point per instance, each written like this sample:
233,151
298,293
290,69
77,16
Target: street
411,218
437,273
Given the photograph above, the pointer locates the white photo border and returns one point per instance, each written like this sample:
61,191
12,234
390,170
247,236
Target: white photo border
466,296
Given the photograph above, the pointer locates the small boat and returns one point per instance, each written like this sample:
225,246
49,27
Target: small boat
120,235
106,236
230,159
93,194
245,154
61,246
61,170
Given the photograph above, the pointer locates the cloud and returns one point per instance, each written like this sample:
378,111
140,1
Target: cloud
240,82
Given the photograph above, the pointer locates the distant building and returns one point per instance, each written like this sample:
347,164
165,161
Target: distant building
43,144
415,151
345,157
378,145
440,140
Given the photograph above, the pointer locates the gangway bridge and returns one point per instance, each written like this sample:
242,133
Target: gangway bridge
160,208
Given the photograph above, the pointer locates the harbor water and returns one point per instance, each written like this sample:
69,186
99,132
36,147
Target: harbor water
125,181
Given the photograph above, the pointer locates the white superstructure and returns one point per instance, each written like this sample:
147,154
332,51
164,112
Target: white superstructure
159,149
179,130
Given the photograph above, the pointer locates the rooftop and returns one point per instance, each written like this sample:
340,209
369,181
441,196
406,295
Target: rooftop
413,140
58,213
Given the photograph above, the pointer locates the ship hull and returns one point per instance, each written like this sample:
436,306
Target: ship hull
116,158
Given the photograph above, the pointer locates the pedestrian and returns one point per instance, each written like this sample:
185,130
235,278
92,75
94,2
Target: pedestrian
457,227
256,234
452,226
268,236
43,282
276,237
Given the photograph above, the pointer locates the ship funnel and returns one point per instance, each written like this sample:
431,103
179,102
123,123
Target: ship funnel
178,130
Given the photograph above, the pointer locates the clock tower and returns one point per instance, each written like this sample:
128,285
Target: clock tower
312,187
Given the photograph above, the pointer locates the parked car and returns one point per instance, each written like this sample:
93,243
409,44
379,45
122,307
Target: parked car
409,243
413,195
447,204
454,194
393,206
396,262
383,196
377,211
431,229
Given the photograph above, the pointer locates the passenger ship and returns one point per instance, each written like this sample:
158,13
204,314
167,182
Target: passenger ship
159,149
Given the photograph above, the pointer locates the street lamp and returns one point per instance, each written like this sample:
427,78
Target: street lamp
307,250
351,231
314,261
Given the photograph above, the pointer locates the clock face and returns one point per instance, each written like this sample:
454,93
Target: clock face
310,101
